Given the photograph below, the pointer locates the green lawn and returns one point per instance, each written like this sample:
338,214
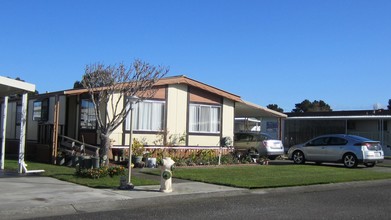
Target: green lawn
68,174
245,176
257,176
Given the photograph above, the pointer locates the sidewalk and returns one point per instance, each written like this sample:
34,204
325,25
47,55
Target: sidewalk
29,196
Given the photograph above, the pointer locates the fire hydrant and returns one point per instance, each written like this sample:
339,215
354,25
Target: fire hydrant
166,175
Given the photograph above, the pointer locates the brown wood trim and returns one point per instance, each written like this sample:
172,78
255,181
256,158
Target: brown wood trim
202,96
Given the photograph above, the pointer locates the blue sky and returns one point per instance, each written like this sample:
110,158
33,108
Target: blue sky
266,51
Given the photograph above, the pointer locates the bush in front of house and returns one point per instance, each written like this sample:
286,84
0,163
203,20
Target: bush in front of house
96,173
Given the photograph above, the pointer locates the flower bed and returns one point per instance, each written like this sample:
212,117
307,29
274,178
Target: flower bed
96,173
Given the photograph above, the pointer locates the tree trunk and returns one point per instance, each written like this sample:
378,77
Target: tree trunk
104,149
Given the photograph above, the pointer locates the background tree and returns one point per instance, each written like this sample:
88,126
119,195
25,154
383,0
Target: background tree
389,104
78,85
315,106
275,108
102,82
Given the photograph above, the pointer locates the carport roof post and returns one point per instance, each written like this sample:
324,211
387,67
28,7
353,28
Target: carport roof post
12,87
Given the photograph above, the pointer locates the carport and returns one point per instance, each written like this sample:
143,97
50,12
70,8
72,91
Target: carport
246,109
10,87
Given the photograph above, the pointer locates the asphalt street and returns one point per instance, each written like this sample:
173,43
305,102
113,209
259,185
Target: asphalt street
357,200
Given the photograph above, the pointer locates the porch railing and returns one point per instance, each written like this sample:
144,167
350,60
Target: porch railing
71,145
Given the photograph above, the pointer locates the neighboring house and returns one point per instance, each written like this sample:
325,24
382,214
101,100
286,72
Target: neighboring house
182,107
373,124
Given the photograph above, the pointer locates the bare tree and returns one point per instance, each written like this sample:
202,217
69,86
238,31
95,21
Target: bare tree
102,82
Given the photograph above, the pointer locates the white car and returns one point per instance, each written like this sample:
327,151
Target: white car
257,144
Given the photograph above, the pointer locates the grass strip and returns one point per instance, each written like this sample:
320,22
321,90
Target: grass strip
68,174
271,176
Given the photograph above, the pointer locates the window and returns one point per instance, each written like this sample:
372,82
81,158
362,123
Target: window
263,137
204,118
319,142
243,137
337,141
41,110
147,116
87,115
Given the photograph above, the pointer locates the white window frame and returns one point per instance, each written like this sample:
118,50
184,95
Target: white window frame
148,115
37,110
204,118
87,115
41,110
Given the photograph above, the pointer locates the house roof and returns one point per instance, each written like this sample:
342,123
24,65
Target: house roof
11,87
188,81
357,114
242,108
176,80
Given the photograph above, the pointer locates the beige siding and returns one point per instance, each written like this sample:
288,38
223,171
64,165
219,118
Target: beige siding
176,109
200,140
228,118
147,139
176,121
117,134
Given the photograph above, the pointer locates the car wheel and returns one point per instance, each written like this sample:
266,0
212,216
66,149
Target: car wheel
298,157
369,164
350,160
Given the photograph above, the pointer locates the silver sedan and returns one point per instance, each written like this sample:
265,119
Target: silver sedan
351,150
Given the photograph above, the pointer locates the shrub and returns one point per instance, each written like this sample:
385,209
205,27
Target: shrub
116,171
96,173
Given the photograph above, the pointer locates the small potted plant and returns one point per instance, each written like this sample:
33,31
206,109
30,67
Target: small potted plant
137,152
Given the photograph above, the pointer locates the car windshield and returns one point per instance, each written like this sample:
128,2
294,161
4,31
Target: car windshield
251,137
263,137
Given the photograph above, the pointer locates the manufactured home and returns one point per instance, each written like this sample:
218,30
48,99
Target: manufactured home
202,115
